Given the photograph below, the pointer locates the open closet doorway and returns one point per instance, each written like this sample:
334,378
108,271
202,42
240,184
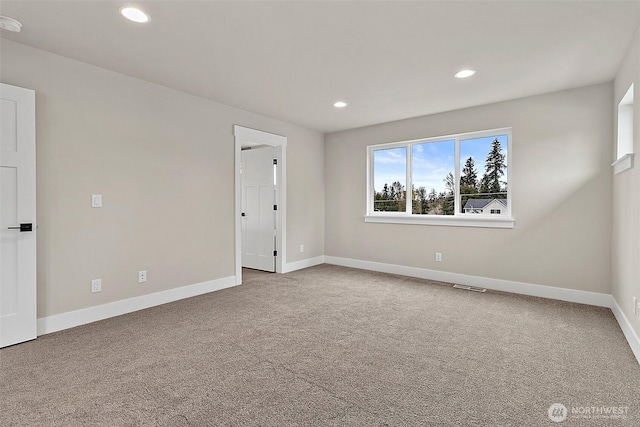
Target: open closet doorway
260,200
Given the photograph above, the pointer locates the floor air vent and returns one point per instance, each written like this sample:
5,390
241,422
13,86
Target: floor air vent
470,288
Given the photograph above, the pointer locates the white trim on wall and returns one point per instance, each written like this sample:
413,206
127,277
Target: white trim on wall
627,329
257,137
623,163
71,319
305,263
562,294
450,220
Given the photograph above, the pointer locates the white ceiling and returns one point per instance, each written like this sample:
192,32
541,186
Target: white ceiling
389,60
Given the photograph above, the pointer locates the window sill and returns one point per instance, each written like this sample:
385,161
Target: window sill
450,221
622,164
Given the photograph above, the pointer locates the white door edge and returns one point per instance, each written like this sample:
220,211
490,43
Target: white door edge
18,322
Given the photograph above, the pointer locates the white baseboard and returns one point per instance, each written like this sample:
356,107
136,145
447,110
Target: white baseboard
627,329
71,319
571,295
305,263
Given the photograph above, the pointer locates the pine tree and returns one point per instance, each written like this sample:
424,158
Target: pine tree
420,201
398,194
397,191
447,200
494,170
468,181
449,183
469,174
432,207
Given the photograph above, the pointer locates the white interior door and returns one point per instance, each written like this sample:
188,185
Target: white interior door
258,213
17,215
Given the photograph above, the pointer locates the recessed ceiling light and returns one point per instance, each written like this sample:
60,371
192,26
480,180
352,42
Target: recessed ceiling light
10,24
464,74
340,104
135,15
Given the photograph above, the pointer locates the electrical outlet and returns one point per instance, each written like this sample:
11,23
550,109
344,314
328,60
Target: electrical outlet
301,248
142,276
96,200
438,257
96,285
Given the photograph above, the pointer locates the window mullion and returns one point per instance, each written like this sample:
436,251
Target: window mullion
370,182
456,178
409,194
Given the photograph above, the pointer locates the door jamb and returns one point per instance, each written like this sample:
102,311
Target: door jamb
244,134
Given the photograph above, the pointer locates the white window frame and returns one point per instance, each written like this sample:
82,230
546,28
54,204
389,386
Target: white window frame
624,151
460,219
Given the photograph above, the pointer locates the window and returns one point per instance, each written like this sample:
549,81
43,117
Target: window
391,175
452,180
430,162
624,158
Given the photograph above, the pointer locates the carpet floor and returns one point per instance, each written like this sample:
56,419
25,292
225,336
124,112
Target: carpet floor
329,346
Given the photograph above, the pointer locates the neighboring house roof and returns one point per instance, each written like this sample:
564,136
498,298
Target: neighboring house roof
482,203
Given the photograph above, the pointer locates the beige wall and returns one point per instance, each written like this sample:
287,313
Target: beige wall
626,197
561,181
163,161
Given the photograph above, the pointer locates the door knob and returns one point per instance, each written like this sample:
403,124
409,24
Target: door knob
22,227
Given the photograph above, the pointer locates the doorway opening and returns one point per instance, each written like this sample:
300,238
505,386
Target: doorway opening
253,199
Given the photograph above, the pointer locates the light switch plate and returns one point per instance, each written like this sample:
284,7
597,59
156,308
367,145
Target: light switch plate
96,200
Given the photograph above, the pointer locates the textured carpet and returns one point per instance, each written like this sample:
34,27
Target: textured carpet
328,346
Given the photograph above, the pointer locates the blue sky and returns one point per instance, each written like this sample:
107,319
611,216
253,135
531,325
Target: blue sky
432,161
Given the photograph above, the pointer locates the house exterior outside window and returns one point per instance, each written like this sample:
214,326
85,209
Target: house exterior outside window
485,206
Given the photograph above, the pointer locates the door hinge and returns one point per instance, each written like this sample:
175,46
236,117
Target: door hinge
275,207
275,161
275,253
